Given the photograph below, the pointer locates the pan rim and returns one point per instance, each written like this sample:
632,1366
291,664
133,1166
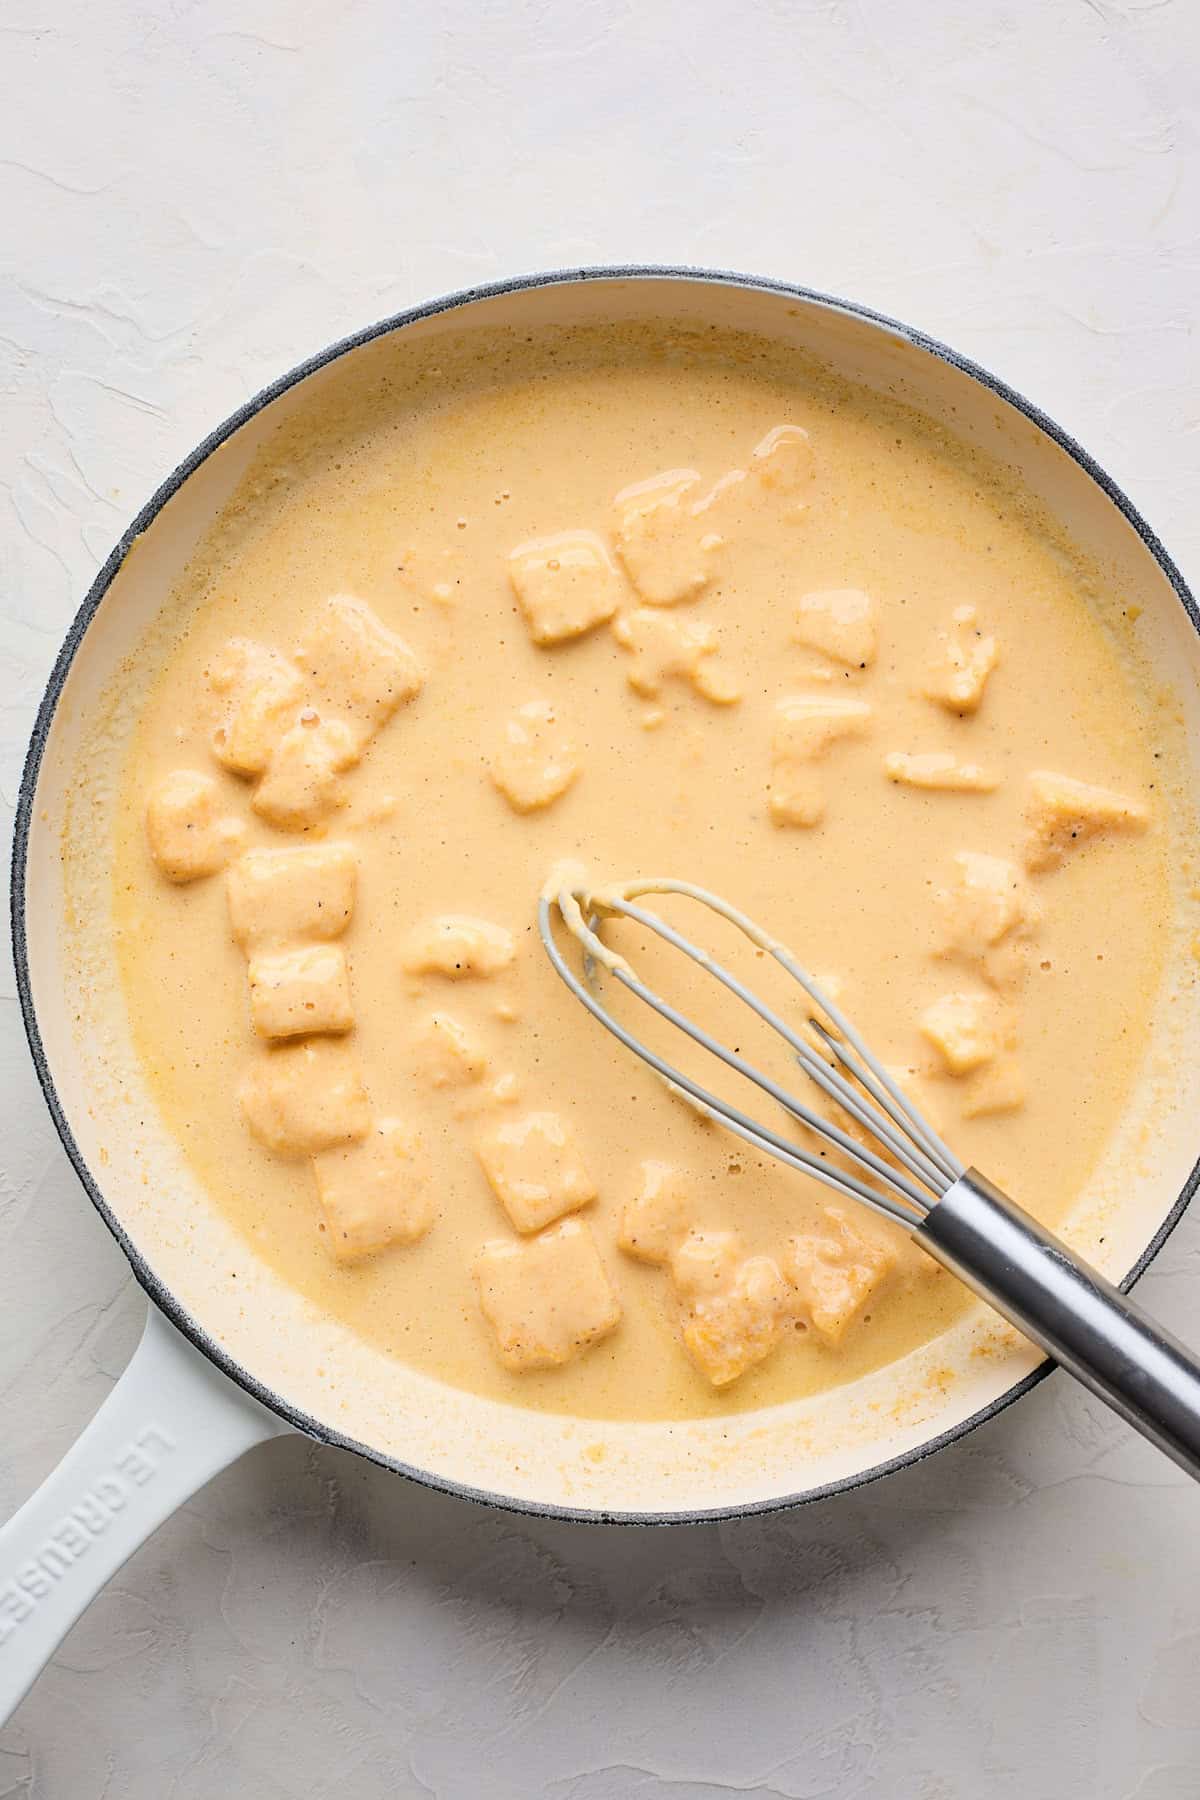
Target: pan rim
157,1292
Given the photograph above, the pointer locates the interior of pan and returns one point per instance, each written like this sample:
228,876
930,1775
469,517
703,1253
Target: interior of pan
265,1334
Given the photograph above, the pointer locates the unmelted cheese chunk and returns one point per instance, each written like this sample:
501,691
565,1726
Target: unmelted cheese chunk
189,832
374,1193
300,785
959,662
665,648
450,1053
805,728
534,1168
658,1217
1062,813
259,691
834,1273
939,769
988,914
783,461
1000,1086
663,537
976,1037
547,1299
967,1029
565,585
303,1098
300,992
840,623
457,946
536,759
354,668
299,723
733,1307
285,896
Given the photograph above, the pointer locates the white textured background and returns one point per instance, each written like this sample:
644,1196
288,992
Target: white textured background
194,195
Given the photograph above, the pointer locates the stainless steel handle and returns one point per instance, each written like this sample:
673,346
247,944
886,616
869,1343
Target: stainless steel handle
1091,1328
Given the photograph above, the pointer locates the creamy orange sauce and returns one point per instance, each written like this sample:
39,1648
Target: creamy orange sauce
675,610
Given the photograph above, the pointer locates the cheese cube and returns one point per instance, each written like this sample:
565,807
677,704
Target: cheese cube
457,946
666,648
805,728
547,1299
536,760
373,1193
939,769
783,461
534,1169
300,785
731,1333
260,692
659,1215
988,914
834,1273
705,1263
733,1307
280,896
967,1029
959,663
565,585
296,993
356,669
450,1053
840,623
663,538
797,794
1062,813
304,1098
996,1088
189,833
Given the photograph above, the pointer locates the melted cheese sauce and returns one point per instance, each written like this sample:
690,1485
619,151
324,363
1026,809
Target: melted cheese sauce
412,492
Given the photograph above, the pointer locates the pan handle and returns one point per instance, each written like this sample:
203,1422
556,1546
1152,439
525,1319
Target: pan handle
171,1422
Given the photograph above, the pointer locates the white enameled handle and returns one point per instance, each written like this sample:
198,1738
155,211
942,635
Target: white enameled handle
171,1422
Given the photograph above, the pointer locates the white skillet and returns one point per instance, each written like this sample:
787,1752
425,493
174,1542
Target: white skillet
226,1363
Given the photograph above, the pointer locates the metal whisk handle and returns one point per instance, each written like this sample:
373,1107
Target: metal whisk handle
1091,1328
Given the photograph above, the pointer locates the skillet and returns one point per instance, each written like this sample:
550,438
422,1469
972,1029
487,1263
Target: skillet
224,1365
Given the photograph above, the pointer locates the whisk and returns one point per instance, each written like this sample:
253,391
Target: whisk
904,1170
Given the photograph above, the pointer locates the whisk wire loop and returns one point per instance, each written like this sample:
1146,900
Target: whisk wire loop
820,1072
878,1082
911,1169
751,1131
